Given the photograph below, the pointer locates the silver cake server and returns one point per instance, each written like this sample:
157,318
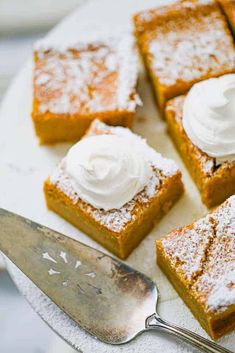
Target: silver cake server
109,299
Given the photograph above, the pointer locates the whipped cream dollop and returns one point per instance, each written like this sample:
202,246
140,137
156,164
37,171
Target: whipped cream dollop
107,170
209,117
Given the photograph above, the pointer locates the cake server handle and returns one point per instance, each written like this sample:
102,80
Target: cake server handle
154,322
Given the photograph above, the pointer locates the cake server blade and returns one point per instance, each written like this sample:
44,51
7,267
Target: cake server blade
104,296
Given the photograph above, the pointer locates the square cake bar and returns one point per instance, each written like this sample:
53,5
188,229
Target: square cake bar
215,182
119,230
74,84
182,44
199,260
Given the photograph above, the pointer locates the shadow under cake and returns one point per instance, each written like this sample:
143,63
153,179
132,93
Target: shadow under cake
199,261
119,230
182,44
215,183
74,84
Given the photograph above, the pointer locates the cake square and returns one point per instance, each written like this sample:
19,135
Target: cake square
119,230
215,182
199,260
182,44
228,7
76,83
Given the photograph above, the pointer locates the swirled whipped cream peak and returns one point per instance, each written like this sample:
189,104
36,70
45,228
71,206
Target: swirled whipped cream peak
209,117
107,170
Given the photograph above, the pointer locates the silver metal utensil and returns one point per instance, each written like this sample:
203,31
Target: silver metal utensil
109,299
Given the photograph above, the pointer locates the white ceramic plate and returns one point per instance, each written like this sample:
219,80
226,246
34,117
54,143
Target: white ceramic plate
23,15
25,165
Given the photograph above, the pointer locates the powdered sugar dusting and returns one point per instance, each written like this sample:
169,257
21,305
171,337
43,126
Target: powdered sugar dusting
223,292
148,16
205,255
117,219
217,282
188,248
200,43
86,77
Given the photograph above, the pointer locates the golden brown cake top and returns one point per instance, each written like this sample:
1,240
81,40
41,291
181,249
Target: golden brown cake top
186,41
86,77
203,254
116,220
